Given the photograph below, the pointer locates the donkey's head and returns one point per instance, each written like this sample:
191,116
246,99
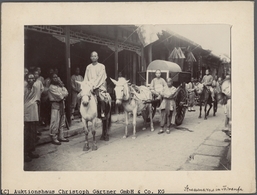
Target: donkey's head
121,89
86,94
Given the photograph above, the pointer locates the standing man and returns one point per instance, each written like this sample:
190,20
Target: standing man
26,71
30,118
96,74
191,94
39,75
57,93
168,105
75,90
46,107
216,85
207,81
220,81
40,87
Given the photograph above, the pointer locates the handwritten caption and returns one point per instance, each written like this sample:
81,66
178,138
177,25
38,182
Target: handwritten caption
224,188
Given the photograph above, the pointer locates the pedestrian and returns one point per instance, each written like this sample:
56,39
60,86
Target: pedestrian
30,118
39,75
46,106
220,81
207,81
226,90
75,90
40,88
26,71
57,94
191,94
95,74
47,81
216,85
168,105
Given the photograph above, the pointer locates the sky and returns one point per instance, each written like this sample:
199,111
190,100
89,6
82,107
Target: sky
214,37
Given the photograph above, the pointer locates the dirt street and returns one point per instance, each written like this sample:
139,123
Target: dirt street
150,151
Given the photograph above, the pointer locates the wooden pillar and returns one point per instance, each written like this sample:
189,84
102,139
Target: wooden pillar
142,60
134,68
116,62
150,54
68,70
116,54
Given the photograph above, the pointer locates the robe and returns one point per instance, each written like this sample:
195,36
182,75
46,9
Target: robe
96,74
30,104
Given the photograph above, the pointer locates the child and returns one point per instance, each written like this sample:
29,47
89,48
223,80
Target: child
167,105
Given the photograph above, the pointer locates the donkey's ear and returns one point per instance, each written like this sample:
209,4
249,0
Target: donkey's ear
127,81
114,81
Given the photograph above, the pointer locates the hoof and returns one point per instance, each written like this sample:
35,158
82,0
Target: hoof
152,129
199,117
144,129
134,137
106,139
94,147
214,114
86,148
205,118
124,136
102,138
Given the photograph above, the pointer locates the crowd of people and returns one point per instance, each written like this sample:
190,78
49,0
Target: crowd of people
44,104
44,100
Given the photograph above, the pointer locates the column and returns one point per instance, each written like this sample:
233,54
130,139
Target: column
150,54
134,68
116,54
68,67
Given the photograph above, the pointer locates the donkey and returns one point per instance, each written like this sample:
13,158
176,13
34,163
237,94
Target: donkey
205,97
133,102
88,111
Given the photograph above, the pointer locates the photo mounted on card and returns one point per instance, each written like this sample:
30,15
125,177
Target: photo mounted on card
129,102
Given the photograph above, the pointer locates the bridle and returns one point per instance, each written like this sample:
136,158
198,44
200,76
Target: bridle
123,97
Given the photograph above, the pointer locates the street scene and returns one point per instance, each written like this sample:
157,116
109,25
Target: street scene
198,144
127,98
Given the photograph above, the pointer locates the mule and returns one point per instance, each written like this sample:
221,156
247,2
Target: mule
133,102
205,98
89,112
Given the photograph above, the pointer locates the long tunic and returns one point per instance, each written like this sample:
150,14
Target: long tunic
191,95
40,78
74,85
158,84
96,74
168,99
40,87
30,104
207,80
216,86
56,95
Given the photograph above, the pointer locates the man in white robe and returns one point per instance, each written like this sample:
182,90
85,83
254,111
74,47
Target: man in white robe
30,118
95,73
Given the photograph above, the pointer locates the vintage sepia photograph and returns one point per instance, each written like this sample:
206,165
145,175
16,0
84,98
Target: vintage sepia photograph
89,89
127,98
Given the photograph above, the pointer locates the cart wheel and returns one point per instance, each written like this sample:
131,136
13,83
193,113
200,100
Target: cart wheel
181,99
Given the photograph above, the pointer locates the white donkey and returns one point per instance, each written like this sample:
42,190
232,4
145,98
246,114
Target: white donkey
88,111
133,102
